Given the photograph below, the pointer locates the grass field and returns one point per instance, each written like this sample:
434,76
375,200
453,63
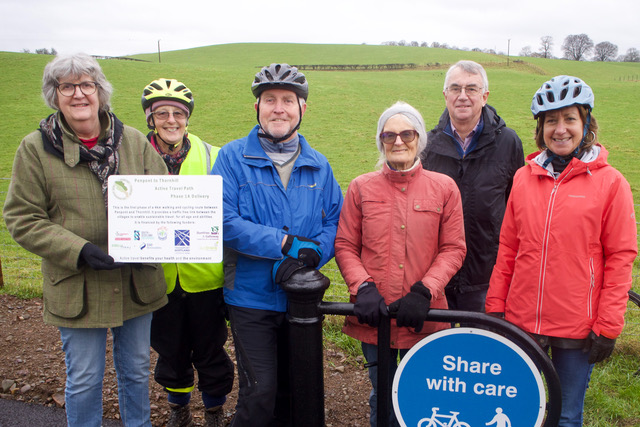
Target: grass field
343,109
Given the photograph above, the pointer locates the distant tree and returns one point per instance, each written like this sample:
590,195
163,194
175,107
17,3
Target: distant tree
402,43
605,51
546,43
577,46
632,55
424,44
53,51
526,51
43,51
390,43
415,44
476,49
26,51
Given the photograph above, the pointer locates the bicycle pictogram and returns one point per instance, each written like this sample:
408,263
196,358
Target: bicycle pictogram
441,420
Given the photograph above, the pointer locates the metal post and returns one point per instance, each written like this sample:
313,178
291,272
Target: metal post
305,290
384,360
1,276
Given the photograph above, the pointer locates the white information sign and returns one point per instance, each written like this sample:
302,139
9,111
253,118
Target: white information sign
165,218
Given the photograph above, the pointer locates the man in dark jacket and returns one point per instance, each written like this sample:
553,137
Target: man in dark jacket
472,145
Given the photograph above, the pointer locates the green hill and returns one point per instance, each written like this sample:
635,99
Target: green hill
341,120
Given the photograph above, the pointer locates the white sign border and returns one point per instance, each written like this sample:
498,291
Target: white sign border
475,331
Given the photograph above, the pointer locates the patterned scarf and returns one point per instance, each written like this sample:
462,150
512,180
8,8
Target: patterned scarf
173,161
103,159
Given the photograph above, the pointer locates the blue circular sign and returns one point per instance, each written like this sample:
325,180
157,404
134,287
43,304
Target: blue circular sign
468,377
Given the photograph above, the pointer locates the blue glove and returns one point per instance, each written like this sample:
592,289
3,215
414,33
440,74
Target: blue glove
284,268
306,250
412,308
369,305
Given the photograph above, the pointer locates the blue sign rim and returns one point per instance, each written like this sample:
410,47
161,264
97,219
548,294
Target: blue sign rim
473,331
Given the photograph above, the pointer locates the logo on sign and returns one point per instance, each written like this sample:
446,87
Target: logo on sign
467,377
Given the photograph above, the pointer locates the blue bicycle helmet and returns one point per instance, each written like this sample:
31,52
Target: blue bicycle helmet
560,92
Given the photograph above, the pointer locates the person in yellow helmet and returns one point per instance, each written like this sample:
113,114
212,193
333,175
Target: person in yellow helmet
190,331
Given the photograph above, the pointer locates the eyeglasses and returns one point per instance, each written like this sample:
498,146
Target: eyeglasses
406,136
164,115
469,90
69,89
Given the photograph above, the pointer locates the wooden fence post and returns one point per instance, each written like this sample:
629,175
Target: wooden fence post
1,277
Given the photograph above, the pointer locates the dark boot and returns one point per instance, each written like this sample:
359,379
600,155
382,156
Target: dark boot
214,417
180,416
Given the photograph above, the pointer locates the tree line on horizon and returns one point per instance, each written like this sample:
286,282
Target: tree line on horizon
575,47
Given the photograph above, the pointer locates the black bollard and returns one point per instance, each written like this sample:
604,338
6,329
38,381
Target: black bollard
305,290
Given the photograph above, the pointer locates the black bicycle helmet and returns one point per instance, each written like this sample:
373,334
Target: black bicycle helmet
282,76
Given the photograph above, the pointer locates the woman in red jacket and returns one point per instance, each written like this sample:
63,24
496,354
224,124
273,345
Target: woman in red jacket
400,240
568,242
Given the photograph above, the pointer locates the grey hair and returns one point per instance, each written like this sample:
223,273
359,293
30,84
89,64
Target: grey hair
471,68
414,118
74,66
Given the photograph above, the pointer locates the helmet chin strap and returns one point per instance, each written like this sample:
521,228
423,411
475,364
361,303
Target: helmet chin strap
574,153
282,138
168,144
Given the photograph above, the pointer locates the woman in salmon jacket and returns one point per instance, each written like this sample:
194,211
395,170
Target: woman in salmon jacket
568,242
400,240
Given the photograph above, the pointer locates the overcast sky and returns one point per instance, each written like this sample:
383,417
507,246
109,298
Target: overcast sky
124,27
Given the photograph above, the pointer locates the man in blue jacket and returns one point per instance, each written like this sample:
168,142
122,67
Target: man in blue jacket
281,210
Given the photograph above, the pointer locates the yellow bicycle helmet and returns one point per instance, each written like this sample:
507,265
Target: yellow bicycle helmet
168,90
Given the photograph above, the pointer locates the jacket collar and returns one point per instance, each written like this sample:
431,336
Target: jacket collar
446,146
402,176
255,154
590,160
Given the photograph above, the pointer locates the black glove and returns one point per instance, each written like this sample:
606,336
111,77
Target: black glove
412,308
599,347
369,305
95,257
306,250
284,268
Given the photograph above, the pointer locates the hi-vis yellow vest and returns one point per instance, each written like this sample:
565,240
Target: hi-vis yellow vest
196,277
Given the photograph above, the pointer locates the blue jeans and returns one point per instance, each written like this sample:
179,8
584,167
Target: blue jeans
85,352
370,352
574,371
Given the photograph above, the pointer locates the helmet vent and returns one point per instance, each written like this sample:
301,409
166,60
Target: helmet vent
577,91
563,94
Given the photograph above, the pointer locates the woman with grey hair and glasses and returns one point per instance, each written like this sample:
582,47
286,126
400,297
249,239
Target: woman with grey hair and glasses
400,239
56,208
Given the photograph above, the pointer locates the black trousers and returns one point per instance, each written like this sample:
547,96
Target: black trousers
262,352
190,332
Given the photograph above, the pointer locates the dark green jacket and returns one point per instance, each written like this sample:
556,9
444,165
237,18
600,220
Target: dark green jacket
54,206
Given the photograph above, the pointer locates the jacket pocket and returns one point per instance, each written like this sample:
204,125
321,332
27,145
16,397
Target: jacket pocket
427,205
64,293
148,284
426,215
